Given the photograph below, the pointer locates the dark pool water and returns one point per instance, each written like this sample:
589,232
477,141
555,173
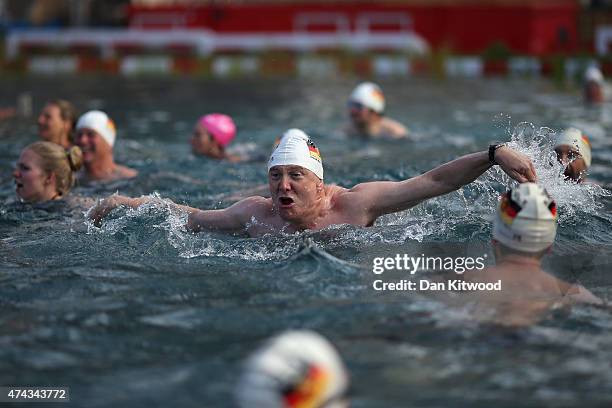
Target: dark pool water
141,313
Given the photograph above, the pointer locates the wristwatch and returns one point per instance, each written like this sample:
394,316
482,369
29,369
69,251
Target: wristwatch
492,148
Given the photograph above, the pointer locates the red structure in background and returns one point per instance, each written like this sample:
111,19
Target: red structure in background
536,28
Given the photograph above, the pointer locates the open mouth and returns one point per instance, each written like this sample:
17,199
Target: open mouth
18,184
285,201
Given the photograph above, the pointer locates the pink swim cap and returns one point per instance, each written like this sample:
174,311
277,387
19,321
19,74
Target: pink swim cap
221,127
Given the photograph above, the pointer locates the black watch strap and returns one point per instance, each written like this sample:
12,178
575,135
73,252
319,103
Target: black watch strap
492,148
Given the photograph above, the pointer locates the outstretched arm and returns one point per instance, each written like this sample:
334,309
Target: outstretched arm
383,197
232,218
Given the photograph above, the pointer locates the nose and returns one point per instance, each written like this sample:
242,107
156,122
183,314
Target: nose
285,183
16,173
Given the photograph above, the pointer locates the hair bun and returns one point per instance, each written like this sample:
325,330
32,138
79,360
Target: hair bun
75,158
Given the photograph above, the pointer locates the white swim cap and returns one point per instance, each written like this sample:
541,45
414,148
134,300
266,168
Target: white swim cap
369,95
575,138
295,147
298,369
101,123
526,219
593,74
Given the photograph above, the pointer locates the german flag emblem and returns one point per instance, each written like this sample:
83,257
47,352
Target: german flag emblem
508,209
314,152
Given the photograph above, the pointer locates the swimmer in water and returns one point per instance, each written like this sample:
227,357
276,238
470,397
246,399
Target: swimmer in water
366,107
212,134
95,135
524,230
296,369
594,92
46,171
300,200
56,122
573,150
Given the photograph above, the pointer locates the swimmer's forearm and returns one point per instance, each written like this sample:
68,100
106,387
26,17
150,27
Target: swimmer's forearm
459,172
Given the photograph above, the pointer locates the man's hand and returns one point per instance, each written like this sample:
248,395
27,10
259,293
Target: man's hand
515,164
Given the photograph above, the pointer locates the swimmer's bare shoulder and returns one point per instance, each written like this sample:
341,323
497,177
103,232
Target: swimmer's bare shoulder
123,172
390,128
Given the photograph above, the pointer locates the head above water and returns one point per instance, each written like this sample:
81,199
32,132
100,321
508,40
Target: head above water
297,369
573,149
220,127
526,219
593,86
295,178
369,95
56,122
45,171
99,122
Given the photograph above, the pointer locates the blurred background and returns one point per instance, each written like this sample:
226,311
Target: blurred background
278,37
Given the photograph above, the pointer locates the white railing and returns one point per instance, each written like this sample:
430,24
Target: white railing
205,42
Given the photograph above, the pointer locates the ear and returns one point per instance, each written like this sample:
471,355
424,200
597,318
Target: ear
320,186
50,179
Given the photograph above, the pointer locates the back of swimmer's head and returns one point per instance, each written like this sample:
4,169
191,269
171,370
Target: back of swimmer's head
221,127
370,95
526,219
53,158
99,122
295,369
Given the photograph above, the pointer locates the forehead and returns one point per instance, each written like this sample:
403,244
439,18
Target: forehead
51,109
29,155
87,131
290,168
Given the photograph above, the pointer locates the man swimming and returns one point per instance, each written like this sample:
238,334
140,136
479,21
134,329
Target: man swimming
524,230
95,135
573,150
366,106
300,200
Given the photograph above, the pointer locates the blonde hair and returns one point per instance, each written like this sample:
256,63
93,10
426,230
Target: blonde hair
59,161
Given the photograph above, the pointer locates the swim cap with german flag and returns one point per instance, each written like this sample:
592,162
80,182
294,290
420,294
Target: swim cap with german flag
578,140
526,219
369,95
296,148
297,369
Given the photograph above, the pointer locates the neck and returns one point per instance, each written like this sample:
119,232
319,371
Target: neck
101,168
371,127
62,140
217,153
524,261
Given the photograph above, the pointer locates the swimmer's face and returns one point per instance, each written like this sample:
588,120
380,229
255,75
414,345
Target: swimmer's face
32,183
93,145
360,115
593,92
575,167
201,141
51,126
295,191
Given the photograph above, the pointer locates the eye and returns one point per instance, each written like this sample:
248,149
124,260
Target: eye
295,174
